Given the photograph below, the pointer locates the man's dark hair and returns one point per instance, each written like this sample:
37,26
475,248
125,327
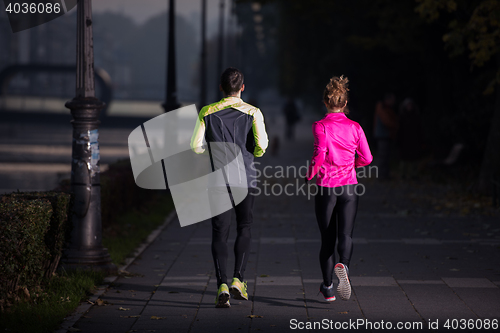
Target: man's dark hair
231,80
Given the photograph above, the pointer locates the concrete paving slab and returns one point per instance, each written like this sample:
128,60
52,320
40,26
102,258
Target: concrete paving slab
279,281
387,303
469,283
373,281
437,301
484,302
402,282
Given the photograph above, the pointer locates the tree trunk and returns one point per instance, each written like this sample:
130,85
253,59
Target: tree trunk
490,167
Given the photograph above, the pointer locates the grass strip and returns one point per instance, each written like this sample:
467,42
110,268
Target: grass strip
45,308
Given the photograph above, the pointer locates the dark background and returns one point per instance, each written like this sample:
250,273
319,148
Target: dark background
442,54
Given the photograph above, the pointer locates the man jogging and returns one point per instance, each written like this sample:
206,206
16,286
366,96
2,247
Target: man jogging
233,122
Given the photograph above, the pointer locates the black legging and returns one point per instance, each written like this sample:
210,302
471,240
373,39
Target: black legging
220,232
335,207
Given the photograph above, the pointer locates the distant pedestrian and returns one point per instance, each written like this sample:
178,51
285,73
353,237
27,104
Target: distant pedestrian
385,127
233,121
292,117
410,138
340,146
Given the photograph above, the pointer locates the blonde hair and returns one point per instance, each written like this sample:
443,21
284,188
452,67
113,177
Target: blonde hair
335,94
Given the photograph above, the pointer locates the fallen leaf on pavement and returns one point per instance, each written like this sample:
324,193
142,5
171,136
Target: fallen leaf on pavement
157,318
123,309
254,316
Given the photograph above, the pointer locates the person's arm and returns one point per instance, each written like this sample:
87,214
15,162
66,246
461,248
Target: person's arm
320,150
259,134
363,150
198,135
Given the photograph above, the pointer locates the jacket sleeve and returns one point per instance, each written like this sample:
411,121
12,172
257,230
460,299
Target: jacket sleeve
259,134
363,150
198,135
320,149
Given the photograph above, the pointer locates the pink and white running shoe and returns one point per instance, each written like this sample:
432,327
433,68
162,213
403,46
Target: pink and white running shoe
344,287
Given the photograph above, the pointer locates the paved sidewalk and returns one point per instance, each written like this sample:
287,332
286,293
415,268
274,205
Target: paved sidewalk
408,266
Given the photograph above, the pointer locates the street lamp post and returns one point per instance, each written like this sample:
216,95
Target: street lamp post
171,102
220,58
85,250
203,81
233,29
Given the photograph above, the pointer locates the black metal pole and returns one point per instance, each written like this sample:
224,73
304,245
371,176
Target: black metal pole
85,249
220,59
203,81
231,43
171,102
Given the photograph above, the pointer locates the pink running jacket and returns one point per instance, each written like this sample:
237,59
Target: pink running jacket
336,141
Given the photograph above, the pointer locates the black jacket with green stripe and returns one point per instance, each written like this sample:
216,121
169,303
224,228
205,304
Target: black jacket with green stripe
235,122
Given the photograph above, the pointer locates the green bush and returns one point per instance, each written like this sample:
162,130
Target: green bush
59,229
23,225
33,229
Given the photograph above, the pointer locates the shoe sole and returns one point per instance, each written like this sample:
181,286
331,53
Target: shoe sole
237,293
344,287
223,301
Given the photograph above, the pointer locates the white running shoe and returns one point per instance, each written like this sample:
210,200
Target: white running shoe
344,287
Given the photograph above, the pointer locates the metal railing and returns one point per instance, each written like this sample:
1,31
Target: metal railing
9,73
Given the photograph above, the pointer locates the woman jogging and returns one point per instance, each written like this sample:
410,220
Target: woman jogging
337,140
